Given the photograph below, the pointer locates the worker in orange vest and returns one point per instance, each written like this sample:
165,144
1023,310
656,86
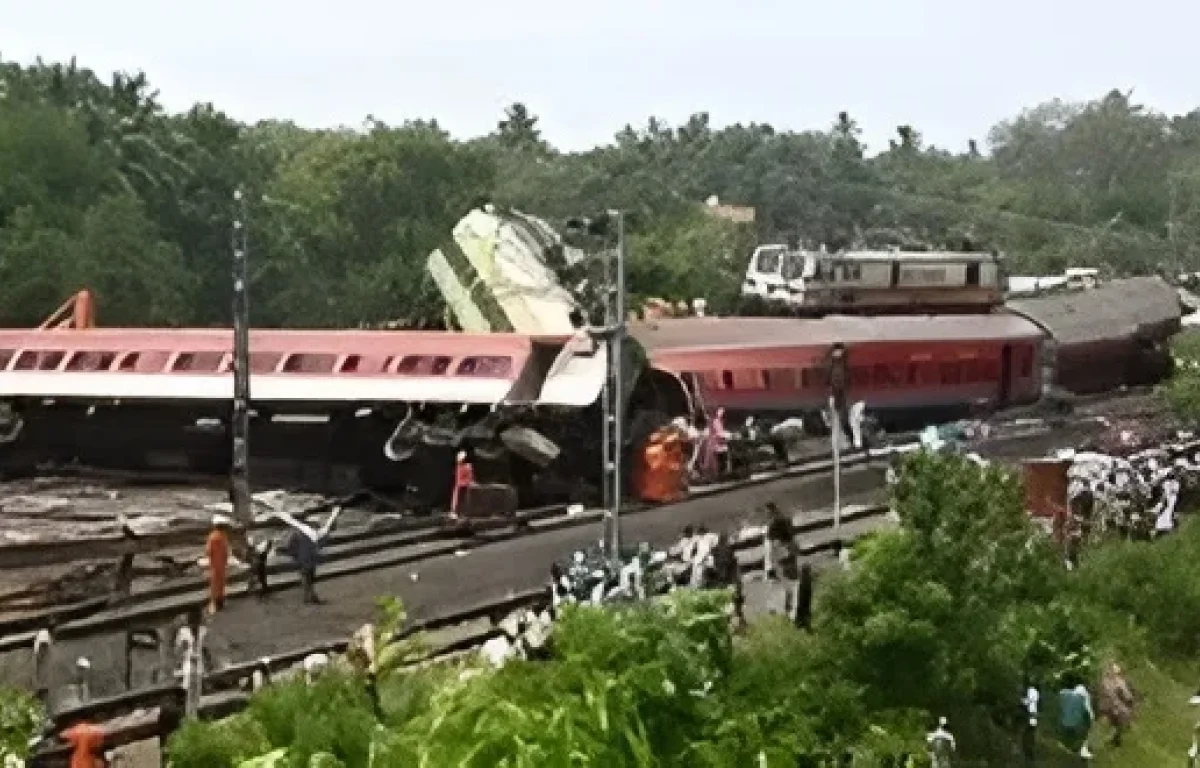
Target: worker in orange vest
217,550
464,477
87,745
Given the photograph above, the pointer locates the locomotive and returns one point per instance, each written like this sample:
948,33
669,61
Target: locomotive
816,283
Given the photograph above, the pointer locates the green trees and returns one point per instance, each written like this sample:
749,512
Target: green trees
341,221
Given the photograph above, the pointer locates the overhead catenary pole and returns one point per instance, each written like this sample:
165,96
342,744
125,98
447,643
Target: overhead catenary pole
836,438
612,294
837,407
239,470
617,383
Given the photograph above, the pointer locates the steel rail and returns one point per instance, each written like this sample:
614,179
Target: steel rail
162,604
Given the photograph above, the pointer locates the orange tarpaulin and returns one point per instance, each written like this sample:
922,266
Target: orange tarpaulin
660,474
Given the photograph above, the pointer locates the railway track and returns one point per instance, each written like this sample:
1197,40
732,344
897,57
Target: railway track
352,551
370,548
139,715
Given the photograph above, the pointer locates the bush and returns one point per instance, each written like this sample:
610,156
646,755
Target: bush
332,716
1152,586
217,745
21,717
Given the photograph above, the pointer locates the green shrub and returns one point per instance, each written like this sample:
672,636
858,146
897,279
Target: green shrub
21,717
224,744
1154,585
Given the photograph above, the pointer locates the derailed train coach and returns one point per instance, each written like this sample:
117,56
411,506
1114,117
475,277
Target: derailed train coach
331,409
1115,334
520,386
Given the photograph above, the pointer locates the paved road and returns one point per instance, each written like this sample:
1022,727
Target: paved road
248,628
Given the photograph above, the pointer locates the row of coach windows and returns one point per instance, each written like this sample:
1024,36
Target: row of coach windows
879,376
260,362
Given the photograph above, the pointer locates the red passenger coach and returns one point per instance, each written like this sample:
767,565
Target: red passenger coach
289,367
900,364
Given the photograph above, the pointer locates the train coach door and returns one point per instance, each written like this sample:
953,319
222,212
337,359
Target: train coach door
1005,391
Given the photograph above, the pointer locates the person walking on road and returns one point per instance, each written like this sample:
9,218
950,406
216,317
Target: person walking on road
1076,715
778,543
216,548
1116,701
942,745
804,597
304,545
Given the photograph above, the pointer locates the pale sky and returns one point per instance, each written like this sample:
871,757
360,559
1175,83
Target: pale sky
952,68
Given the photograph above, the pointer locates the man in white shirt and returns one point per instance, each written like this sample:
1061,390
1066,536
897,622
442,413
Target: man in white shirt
702,556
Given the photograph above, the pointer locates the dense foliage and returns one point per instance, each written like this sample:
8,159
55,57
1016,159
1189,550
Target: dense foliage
100,187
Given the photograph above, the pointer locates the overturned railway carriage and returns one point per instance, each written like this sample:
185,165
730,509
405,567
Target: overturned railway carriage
337,407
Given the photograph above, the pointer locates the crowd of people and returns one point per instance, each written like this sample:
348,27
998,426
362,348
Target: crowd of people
1136,496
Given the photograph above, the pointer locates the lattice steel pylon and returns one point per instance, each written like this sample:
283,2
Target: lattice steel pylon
612,333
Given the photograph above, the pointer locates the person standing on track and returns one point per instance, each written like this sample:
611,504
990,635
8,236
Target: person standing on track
464,477
216,548
87,745
303,544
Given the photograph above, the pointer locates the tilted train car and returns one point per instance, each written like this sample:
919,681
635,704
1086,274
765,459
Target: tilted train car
813,283
906,369
1109,336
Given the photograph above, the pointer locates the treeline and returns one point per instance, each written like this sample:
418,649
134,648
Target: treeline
101,187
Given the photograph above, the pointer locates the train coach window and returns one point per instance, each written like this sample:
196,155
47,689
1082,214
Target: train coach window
727,379
264,362
423,365
812,378
309,363
951,373
883,376
200,362
6,356
922,373
970,371
485,365
91,361
38,360
779,379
